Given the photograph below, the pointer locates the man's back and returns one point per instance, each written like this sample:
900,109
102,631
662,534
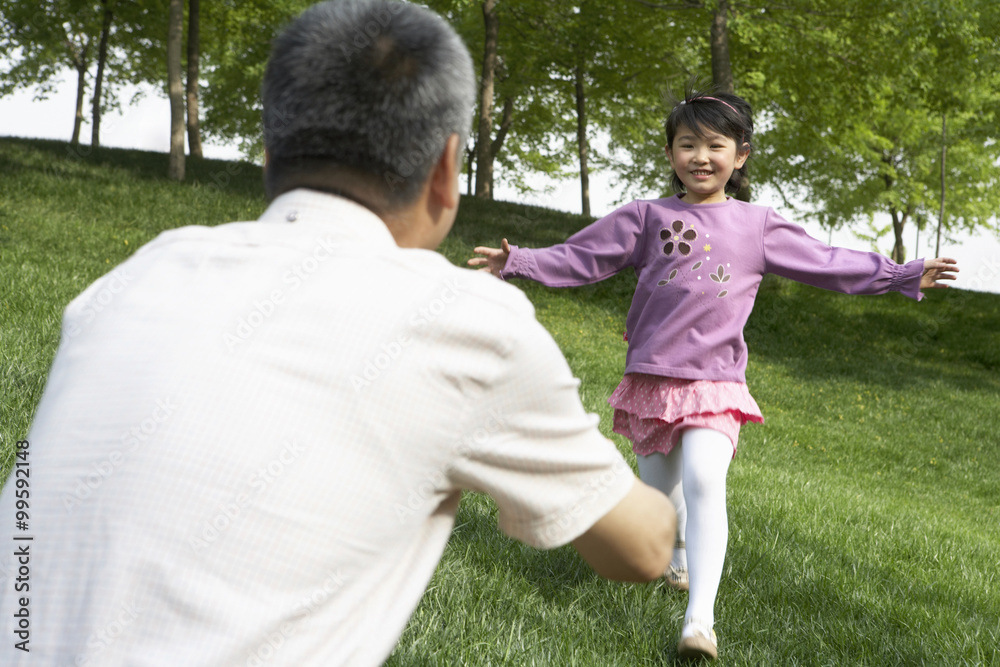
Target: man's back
254,437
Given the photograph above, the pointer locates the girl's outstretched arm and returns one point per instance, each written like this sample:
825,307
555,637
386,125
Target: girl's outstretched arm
493,259
791,253
598,251
940,268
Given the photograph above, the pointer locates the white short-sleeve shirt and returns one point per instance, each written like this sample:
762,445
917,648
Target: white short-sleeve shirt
254,437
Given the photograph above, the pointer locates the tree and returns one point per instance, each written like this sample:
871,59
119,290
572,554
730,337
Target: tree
102,59
484,159
175,26
130,50
520,136
235,40
41,40
582,141
193,54
555,36
944,181
964,89
486,147
856,120
79,52
717,13
634,76
582,69
722,67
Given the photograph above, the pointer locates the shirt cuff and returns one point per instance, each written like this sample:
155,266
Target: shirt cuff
599,496
905,279
518,264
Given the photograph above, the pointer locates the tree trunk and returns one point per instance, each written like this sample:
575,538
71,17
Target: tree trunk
583,145
944,152
470,158
175,89
81,85
102,59
722,67
484,160
898,248
497,143
722,70
193,53
898,216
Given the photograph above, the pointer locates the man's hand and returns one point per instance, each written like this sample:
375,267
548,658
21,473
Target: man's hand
635,540
941,268
493,260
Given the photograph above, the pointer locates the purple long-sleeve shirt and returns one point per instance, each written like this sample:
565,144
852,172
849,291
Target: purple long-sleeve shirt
699,267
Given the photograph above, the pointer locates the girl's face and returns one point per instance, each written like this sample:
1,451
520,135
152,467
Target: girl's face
704,163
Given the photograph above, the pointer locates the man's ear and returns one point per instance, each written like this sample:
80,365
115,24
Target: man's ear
444,176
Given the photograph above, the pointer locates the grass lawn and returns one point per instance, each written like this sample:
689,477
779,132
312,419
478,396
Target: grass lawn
864,515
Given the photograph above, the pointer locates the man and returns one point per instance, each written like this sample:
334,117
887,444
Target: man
254,452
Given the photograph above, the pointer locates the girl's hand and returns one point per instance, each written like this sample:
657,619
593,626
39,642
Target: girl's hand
941,268
494,259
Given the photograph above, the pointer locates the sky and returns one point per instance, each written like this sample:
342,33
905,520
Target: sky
146,125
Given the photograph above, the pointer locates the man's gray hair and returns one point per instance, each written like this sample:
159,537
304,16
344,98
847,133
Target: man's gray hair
375,87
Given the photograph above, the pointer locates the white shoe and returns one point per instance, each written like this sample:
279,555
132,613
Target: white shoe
697,641
677,578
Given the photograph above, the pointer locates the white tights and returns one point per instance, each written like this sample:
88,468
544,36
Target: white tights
693,475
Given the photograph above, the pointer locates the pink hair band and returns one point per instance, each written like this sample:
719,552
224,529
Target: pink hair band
714,99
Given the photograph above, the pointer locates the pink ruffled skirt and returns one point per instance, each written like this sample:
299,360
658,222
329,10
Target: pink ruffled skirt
652,411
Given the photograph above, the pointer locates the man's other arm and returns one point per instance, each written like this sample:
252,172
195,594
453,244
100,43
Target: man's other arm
635,540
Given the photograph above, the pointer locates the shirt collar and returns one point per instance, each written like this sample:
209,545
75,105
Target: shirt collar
702,207
336,215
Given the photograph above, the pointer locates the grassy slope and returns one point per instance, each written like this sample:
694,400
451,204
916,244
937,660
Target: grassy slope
864,515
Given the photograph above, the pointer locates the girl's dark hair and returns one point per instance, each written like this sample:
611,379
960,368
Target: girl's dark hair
729,115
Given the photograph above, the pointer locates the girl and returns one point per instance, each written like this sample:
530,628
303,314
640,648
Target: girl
699,257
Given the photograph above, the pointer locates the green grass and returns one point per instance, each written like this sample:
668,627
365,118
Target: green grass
864,515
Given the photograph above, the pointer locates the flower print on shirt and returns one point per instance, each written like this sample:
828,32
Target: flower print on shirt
720,276
679,238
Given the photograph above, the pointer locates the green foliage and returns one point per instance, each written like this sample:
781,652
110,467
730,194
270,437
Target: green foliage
41,39
626,72
853,95
665,50
850,94
864,514
541,120
45,38
236,41
627,77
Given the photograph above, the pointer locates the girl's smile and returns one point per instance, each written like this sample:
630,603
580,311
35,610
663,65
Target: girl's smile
704,164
